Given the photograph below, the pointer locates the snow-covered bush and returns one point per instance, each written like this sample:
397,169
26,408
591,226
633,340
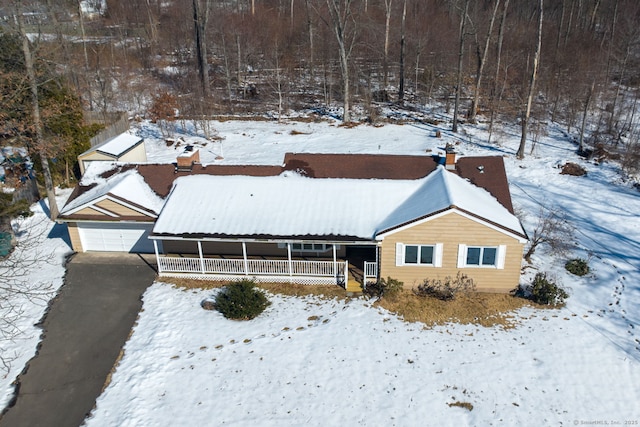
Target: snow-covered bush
241,301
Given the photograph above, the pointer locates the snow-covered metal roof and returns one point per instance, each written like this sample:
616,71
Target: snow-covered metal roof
290,205
117,145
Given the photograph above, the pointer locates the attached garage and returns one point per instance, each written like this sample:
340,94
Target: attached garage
115,237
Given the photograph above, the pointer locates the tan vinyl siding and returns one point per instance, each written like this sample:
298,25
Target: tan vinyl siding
451,230
90,211
137,154
119,209
74,236
95,155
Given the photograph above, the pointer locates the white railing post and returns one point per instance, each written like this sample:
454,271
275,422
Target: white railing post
335,261
201,257
290,263
346,273
155,247
244,256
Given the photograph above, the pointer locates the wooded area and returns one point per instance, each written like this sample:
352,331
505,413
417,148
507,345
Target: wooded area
521,61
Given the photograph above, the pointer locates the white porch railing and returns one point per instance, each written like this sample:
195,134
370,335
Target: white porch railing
312,272
370,272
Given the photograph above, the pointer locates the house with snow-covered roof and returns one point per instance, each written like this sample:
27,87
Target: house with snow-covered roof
318,219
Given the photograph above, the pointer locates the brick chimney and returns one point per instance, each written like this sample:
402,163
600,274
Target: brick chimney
450,157
186,160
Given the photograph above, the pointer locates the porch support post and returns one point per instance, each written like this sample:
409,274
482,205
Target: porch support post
155,247
244,256
201,257
377,262
290,263
335,262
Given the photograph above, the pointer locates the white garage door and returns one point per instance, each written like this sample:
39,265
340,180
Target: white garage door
116,237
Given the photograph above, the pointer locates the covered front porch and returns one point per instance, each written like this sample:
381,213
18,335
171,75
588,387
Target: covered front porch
301,262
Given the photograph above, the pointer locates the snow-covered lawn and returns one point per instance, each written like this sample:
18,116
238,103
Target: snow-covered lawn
39,263
308,361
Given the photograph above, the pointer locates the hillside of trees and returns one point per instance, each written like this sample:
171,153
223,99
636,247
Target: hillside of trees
574,62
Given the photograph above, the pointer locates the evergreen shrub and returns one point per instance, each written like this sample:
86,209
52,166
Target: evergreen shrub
241,301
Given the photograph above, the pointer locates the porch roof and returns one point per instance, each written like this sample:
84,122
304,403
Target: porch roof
293,206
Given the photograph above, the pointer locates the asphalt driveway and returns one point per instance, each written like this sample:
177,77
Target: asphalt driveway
84,331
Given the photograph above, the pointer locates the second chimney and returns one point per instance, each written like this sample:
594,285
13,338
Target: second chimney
450,157
186,160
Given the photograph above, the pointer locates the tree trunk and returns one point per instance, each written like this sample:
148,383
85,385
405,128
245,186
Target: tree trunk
340,16
456,105
385,59
152,24
482,59
497,94
584,116
402,47
311,49
200,18
527,112
37,122
86,56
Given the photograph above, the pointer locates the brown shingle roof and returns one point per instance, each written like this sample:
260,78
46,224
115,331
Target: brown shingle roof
160,177
486,172
360,166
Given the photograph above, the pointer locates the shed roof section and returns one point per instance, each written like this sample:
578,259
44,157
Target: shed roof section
116,146
289,206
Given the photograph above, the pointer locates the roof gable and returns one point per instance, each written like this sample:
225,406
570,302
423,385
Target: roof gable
443,190
127,189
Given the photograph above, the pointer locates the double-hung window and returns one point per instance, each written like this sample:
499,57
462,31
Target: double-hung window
418,254
481,256
411,254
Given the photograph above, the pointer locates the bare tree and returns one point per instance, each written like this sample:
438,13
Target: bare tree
587,103
496,94
458,88
553,229
482,60
200,20
402,49
343,26
387,25
532,83
35,111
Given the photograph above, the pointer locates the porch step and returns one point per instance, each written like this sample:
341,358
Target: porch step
353,285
